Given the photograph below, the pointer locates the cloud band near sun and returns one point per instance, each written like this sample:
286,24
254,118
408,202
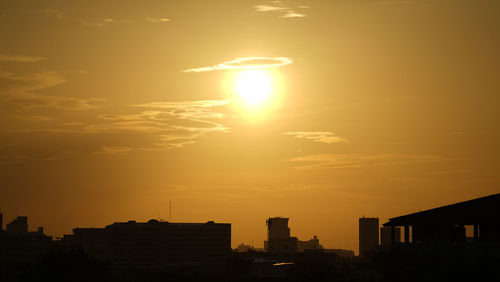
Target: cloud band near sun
245,63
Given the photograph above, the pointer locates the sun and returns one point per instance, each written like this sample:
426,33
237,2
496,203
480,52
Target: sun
254,87
255,93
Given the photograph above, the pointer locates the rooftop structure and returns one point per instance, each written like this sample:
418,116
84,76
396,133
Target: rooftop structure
448,223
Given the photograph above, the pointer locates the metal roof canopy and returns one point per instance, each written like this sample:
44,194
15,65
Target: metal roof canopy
480,210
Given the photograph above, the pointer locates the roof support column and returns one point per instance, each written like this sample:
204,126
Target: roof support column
407,234
393,230
476,232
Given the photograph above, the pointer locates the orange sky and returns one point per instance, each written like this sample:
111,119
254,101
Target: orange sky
111,109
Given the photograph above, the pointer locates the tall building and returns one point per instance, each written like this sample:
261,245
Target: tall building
368,235
385,236
1,221
277,228
278,236
18,225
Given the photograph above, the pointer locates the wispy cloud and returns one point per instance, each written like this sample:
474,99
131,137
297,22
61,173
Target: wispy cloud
18,91
11,82
101,23
198,114
323,161
171,124
245,63
268,8
397,2
276,7
115,150
37,118
293,14
317,136
156,126
20,58
157,20
51,12
29,101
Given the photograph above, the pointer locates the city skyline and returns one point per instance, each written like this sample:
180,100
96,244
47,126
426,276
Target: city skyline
465,219
238,111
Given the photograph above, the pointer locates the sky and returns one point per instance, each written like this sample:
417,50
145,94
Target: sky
236,111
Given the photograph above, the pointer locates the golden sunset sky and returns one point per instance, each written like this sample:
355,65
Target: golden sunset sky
236,111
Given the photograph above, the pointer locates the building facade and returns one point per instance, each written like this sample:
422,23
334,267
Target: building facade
385,236
278,237
368,235
153,244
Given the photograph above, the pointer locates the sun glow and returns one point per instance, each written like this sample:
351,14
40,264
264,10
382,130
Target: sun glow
255,93
254,87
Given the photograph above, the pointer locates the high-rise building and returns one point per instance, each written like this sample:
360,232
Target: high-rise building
368,235
277,228
278,236
385,236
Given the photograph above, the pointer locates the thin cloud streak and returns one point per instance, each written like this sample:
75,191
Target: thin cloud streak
103,22
326,161
317,136
14,83
157,20
292,14
285,12
115,150
17,91
20,58
30,101
184,104
51,12
245,63
268,8
37,118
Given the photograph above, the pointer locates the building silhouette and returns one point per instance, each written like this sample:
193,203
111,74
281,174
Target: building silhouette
448,224
242,248
279,240
278,236
311,244
153,244
19,247
385,236
18,225
368,235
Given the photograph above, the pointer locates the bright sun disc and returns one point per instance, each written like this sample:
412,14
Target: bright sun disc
254,87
